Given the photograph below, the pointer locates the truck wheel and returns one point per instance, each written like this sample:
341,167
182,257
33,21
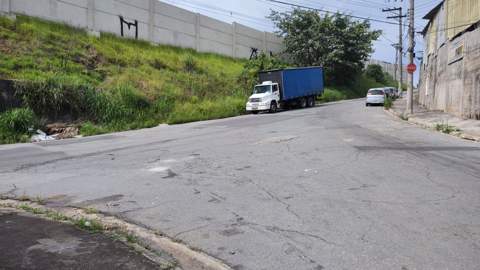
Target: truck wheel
273,107
303,102
311,102
254,112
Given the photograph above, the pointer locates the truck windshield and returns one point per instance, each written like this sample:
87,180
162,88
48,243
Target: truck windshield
260,89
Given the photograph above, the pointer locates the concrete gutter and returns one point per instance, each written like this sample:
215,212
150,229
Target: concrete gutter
186,257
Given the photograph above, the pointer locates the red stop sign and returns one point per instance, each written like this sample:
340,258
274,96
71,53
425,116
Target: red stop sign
411,68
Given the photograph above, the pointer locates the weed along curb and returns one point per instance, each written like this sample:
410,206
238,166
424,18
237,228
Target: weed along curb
152,244
437,126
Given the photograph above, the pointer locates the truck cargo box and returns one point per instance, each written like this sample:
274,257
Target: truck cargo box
296,82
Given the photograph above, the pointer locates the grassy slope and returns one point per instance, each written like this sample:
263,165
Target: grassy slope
111,84
171,84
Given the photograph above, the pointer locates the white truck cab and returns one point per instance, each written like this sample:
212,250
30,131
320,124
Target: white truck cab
265,97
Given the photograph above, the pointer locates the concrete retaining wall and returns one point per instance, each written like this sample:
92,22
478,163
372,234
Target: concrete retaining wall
153,21
450,77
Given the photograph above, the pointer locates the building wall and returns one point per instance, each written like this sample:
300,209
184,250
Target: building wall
158,22
450,72
461,14
450,79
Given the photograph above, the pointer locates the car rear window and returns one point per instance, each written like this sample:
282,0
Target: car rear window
375,92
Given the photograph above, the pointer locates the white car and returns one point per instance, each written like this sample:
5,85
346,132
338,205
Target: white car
375,96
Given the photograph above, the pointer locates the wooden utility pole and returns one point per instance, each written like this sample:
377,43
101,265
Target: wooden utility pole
399,47
411,56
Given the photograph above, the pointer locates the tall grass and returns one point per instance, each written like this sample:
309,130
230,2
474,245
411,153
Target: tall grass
207,109
332,94
15,125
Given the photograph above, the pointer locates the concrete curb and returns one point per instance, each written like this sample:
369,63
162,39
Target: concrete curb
461,134
186,257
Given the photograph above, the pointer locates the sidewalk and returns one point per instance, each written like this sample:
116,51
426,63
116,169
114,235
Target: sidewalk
30,242
468,129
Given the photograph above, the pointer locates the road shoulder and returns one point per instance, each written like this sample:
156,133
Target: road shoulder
467,129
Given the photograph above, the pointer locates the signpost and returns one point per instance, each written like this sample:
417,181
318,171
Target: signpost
411,68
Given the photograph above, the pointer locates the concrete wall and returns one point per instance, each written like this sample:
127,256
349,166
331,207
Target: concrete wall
389,68
450,78
157,22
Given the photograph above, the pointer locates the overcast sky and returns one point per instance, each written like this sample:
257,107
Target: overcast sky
253,13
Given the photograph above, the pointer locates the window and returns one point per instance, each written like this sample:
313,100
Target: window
459,51
260,89
275,87
376,92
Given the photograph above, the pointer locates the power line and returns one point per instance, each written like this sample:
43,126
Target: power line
331,5
330,12
387,39
225,13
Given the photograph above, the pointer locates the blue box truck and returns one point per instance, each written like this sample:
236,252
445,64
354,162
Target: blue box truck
286,88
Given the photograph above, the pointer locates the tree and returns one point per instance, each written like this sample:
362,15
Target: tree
375,72
336,42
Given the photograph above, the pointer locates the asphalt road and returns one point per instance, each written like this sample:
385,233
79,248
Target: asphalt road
340,186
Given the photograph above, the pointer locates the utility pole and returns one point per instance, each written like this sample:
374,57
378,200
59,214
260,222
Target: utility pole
395,73
411,56
400,16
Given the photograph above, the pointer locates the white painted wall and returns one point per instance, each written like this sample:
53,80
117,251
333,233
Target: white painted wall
158,22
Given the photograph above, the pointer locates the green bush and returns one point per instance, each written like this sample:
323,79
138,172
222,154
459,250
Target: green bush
190,64
330,95
89,129
388,103
446,128
60,95
55,95
207,109
123,103
7,23
376,73
15,125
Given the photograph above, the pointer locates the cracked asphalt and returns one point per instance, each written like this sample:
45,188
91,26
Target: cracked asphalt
339,186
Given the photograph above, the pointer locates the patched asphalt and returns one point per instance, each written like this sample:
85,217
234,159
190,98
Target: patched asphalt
30,242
